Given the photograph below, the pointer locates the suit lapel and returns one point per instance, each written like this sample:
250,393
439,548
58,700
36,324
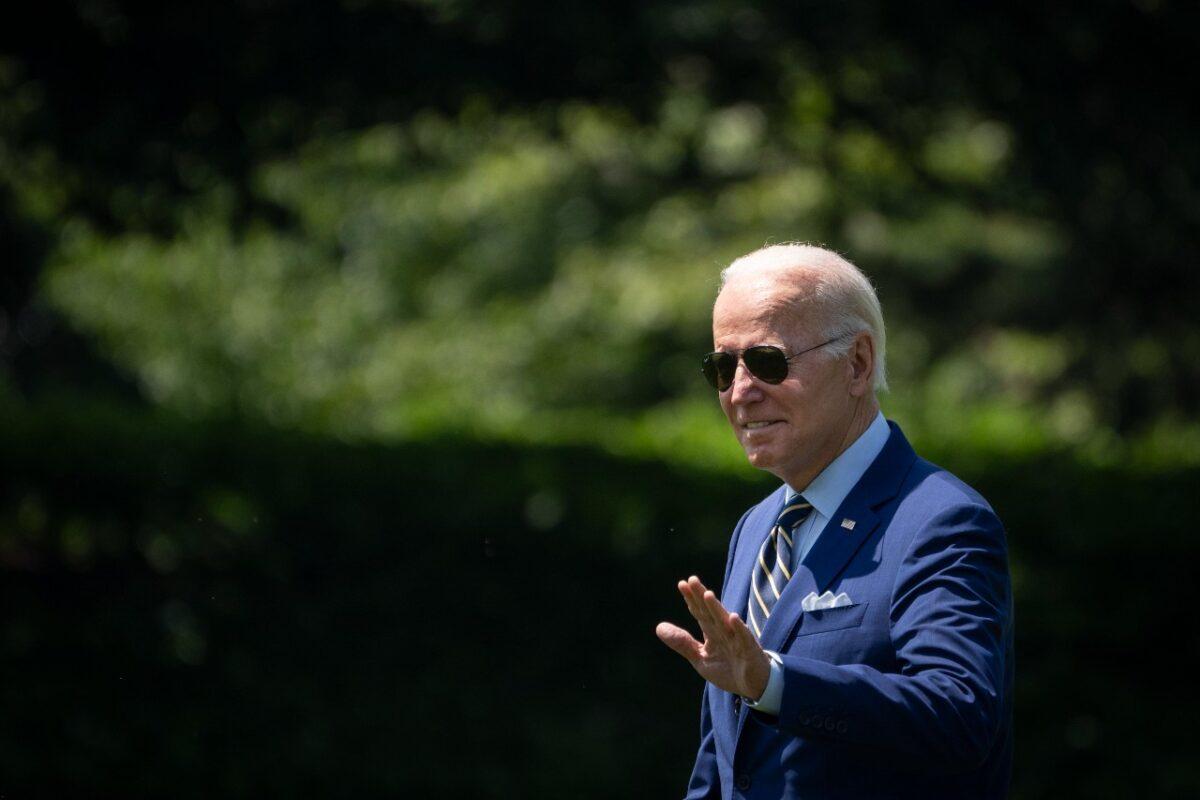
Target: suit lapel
837,544
757,528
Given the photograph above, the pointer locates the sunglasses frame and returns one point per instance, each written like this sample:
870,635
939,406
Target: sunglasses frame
712,373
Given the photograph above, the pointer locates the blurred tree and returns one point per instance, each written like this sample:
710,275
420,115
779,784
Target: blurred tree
547,190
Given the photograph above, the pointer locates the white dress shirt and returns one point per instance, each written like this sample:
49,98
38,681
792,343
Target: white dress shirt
826,493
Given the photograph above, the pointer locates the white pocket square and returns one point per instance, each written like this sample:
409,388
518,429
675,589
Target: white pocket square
827,600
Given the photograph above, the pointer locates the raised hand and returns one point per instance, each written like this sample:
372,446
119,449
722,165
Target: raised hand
730,657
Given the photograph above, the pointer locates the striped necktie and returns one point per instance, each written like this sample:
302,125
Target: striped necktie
772,571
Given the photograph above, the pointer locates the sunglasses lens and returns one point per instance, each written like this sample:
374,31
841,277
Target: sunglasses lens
718,369
766,363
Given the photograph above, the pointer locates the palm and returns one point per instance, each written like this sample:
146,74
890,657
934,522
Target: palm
716,661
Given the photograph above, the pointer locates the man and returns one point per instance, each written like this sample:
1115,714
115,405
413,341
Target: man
862,643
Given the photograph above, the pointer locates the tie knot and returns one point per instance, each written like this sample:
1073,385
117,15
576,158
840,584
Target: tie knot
794,512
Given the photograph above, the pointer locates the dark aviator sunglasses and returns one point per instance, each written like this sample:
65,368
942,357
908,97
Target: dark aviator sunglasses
766,362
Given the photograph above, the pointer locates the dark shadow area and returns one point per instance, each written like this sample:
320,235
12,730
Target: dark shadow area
221,610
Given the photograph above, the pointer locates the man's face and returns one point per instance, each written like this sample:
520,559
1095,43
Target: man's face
795,428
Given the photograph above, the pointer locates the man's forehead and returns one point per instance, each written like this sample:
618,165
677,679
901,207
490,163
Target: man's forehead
774,297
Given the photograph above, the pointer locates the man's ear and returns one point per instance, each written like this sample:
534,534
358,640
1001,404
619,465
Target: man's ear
862,364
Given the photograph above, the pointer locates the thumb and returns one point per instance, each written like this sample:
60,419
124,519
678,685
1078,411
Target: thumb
678,640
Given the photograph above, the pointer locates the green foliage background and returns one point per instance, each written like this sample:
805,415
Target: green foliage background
308,273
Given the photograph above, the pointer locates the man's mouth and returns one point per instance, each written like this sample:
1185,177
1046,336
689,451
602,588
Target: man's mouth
754,426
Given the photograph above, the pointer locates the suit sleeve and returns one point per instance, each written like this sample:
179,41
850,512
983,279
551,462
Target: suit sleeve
705,781
950,622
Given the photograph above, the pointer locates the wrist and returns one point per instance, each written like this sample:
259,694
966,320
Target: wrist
757,676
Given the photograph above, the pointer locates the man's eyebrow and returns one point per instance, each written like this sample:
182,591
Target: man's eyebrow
763,343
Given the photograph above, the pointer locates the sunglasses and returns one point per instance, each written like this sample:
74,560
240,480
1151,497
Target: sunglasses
766,362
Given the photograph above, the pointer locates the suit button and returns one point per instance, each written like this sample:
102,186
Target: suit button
830,725
742,782
817,719
842,727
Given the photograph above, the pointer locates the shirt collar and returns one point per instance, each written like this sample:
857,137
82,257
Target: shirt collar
827,491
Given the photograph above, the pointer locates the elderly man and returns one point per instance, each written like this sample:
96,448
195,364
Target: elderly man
862,643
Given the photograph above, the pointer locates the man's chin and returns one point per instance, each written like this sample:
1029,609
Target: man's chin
760,457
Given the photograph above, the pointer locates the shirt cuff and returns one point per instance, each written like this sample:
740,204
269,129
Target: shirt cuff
772,697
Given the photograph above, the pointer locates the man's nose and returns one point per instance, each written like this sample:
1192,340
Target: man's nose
745,388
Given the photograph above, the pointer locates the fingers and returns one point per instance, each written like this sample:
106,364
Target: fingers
743,634
710,613
716,611
693,594
678,640
697,585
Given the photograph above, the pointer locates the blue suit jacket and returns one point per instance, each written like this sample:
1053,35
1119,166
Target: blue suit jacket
907,693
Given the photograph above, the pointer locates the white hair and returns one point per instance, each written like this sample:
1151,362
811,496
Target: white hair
839,290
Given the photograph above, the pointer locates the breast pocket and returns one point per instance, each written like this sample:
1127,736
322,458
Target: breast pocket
831,619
